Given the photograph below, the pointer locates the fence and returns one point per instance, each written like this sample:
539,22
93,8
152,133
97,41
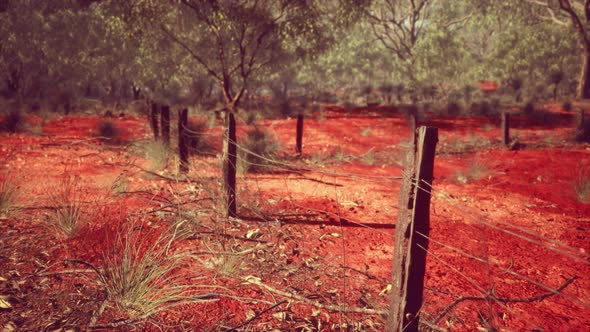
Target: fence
482,271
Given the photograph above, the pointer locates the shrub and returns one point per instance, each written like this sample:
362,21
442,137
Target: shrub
257,152
157,153
8,195
453,108
529,107
476,169
108,131
196,137
582,184
515,83
567,106
67,200
12,123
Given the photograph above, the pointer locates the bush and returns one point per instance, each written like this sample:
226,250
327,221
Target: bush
196,139
475,170
258,151
108,130
453,108
12,123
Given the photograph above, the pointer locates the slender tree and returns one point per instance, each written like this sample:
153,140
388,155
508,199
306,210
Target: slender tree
576,14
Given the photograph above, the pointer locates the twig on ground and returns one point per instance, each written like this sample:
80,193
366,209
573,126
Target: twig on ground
492,296
235,328
331,307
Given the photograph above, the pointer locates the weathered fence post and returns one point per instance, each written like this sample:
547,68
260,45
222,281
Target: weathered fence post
299,140
411,234
165,123
182,141
154,110
229,164
505,128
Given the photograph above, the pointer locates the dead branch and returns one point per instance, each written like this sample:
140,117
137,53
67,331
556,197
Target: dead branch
256,316
331,307
492,296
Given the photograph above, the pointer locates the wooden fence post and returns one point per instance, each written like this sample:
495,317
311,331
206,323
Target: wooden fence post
154,118
165,123
505,128
182,141
229,164
299,141
411,234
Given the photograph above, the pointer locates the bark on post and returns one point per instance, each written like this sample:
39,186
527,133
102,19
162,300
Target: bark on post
165,123
505,128
182,141
229,165
154,111
299,141
411,235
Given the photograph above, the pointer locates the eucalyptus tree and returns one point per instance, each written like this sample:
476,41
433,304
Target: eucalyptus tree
232,41
399,25
574,14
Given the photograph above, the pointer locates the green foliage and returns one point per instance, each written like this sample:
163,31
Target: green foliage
258,152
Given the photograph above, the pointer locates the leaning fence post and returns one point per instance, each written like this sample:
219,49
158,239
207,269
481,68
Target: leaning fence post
182,143
299,140
411,234
505,128
229,165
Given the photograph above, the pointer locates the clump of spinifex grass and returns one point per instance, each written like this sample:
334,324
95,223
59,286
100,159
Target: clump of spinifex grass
140,273
8,195
257,152
68,199
476,169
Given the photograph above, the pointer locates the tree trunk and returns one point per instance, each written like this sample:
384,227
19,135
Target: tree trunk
165,123
299,133
584,80
182,143
154,118
229,164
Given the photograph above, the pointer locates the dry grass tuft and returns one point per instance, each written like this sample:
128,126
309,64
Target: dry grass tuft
582,184
68,200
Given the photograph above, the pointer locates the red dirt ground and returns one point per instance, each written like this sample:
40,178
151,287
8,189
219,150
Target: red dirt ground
319,234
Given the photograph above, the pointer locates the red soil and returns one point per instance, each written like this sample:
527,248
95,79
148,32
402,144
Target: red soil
324,233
